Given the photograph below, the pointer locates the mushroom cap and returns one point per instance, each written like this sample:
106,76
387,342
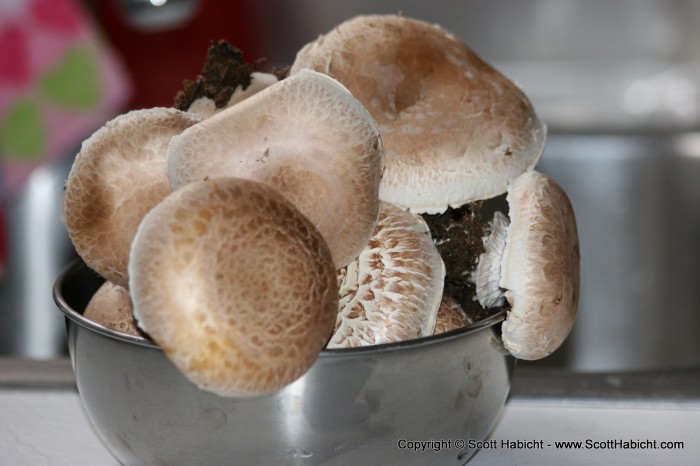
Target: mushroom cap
111,306
450,316
391,292
455,130
540,268
307,137
118,176
206,107
236,285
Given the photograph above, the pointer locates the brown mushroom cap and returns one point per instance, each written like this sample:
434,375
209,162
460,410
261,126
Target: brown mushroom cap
307,137
117,176
540,267
392,290
455,130
235,284
111,306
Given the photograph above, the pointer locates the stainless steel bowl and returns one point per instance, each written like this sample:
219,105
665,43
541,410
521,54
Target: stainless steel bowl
369,406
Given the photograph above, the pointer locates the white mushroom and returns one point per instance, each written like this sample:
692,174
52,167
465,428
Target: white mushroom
307,137
117,176
392,290
455,130
538,270
111,306
237,286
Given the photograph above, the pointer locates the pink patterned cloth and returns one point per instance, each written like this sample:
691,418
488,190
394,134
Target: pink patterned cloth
58,83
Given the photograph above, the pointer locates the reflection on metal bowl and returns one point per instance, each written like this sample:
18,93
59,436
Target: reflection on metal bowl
365,406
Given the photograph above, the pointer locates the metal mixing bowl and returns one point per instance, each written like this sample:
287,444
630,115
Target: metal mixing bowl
364,406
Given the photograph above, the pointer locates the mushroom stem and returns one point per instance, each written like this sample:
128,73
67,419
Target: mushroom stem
487,275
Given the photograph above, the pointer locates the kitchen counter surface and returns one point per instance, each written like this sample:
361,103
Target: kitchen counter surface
628,418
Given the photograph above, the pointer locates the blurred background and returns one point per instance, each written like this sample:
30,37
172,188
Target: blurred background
617,83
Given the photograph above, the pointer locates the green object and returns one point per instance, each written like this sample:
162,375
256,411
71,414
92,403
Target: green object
22,134
75,82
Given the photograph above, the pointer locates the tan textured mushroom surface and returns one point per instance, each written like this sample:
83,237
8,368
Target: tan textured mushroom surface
111,306
450,316
116,178
307,137
455,129
235,284
392,291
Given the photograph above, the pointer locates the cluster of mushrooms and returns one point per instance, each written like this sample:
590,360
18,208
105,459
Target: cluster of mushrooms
246,234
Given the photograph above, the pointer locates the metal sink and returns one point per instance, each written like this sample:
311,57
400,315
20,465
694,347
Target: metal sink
636,197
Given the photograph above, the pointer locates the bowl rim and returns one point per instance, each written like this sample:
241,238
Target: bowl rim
71,314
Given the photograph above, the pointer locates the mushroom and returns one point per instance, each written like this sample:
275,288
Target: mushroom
533,262
456,133
392,290
450,316
455,130
111,306
307,137
237,287
117,176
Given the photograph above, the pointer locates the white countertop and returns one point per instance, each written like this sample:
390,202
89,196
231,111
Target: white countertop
48,427
620,419
546,423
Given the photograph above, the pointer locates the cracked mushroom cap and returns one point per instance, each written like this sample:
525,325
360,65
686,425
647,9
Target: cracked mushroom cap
307,137
118,176
455,130
392,291
111,306
540,267
236,285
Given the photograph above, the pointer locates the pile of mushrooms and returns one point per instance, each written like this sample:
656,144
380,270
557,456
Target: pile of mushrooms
246,233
